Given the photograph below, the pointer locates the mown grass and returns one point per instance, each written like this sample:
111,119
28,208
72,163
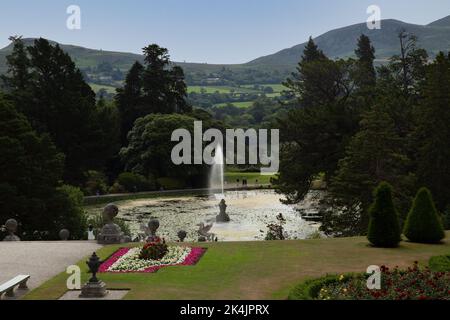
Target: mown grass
252,178
252,270
97,87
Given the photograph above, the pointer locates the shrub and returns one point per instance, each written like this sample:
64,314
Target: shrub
446,219
276,230
97,222
154,250
133,182
440,263
411,284
384,226
67,206
171,183
423,224
117,188
310,289
95,183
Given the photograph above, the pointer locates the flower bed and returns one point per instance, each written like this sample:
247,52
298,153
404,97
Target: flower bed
411,284
127,260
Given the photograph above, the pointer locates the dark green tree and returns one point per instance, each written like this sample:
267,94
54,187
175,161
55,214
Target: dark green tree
157,87
129,100
319,80
312,52
30,174
409,66
58,101
384,227
446,218
18,66
149,150
365,77
322,120
432,132
375,154
424,224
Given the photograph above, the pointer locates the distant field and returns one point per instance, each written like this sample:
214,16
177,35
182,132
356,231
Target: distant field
97,87
232,177
221,89
243,104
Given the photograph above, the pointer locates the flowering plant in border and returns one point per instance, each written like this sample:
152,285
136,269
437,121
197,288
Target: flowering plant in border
154,250
127,260
411,284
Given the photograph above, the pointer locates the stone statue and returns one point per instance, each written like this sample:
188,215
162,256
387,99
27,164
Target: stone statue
111,233
11,227
223,216
64,234
203,231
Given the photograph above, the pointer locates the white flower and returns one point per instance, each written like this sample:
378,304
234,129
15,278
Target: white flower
131,262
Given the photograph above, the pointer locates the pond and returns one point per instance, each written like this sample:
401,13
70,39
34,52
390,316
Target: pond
250,213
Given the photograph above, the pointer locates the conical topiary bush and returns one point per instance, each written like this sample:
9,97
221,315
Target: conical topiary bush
423,224
384,227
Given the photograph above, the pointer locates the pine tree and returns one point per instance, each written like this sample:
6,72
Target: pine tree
374,154
366,75
319,80
424,224
18,67
56,100
433,131
156,87
129,100
384,228
312,52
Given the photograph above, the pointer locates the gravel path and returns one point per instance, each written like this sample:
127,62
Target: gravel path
40,260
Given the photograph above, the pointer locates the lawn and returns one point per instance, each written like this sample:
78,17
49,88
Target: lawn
252,270
231,177
241,104
97,87
220,89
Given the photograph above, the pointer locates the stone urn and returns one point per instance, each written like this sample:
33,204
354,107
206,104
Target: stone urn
111,233
223,216
182,235
11,228
153,226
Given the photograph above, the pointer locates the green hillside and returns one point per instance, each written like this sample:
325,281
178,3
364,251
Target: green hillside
274,68
341,42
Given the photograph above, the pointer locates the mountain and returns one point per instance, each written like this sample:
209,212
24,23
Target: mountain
92,63
341,43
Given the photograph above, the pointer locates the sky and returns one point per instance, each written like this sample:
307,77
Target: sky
212,31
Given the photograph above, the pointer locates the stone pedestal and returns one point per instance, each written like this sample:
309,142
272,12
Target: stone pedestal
11,238
223,216
94,290
110,234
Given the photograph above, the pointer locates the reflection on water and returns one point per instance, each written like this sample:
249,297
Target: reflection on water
250,212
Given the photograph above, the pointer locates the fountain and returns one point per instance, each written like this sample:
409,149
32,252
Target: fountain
216,178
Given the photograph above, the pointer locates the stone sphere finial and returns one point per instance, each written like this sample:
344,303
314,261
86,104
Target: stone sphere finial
64,234
11,227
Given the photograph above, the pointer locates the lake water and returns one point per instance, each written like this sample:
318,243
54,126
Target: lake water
250,213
